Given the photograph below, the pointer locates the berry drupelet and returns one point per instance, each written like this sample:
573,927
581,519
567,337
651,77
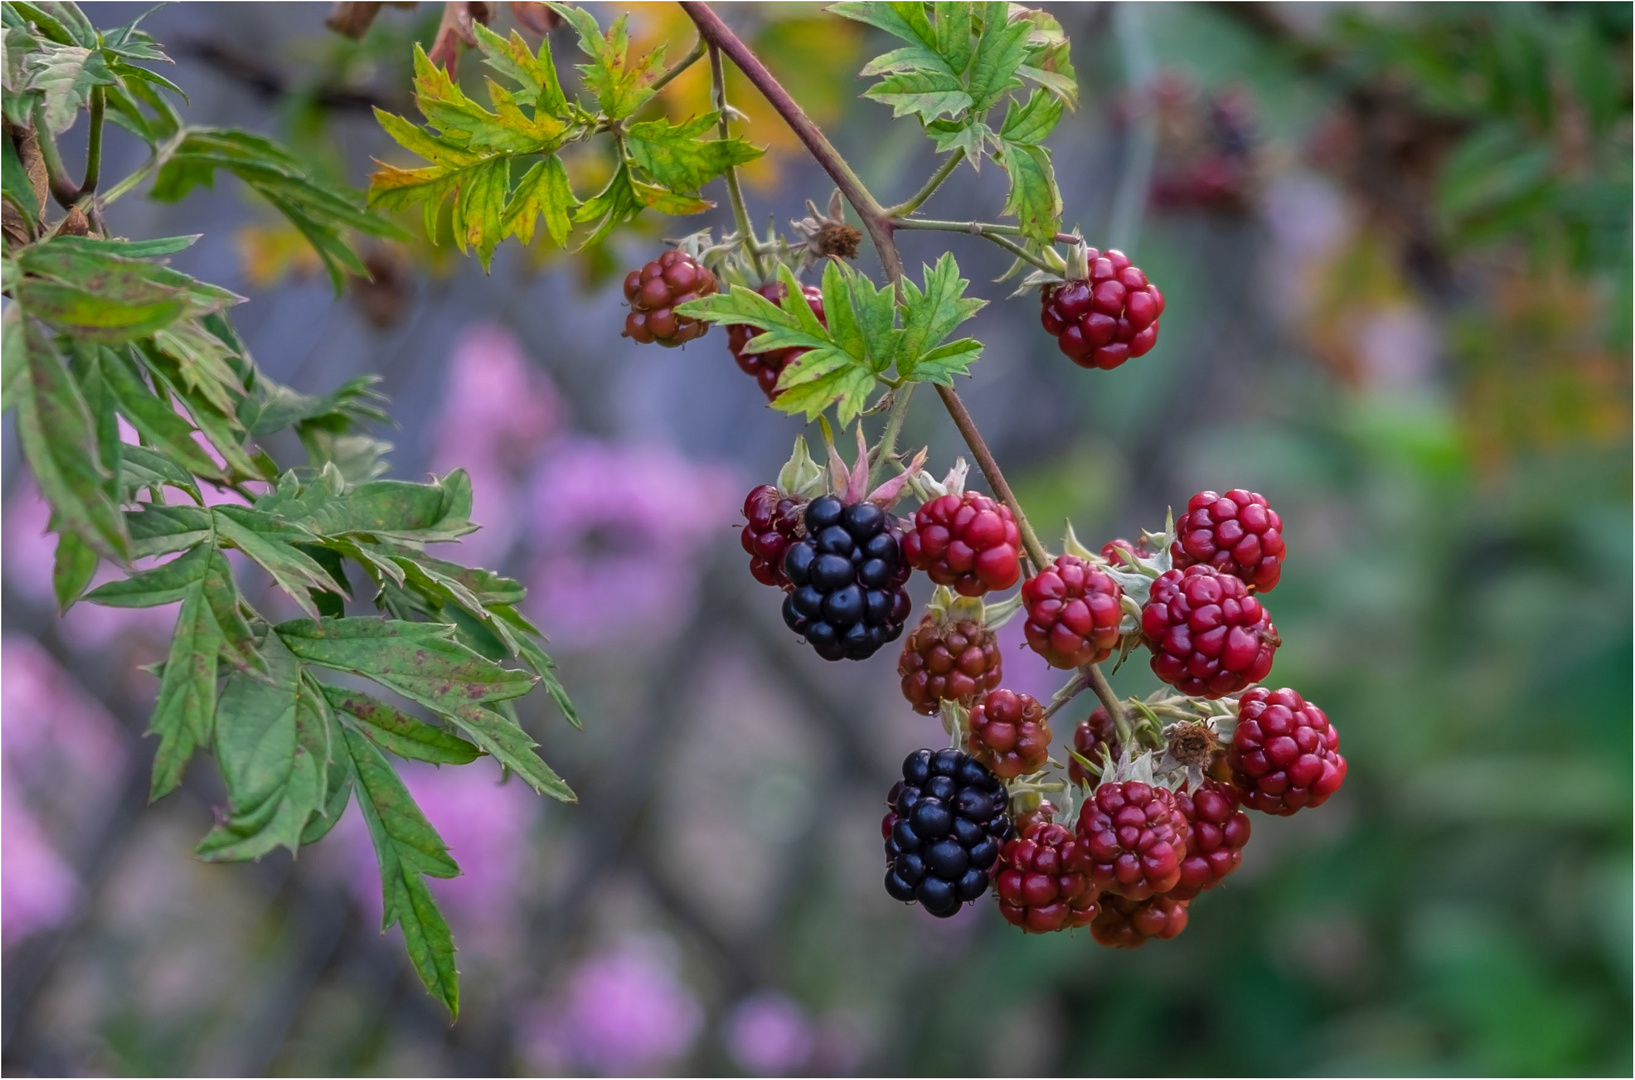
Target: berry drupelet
1285,755
773,523
949,818
948,661
1106,319
968,542
1208,636
765,367
848,575
1236,533
656,289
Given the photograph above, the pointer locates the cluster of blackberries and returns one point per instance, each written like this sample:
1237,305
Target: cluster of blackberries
847,575
948,817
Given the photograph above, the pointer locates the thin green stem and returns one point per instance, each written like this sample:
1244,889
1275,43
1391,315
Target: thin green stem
894,426
931,185
994,234
996,479
735,193
1075,686
63,188
693,56
93,149
1115,708
979,228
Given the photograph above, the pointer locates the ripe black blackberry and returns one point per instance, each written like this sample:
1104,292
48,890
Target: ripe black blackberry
949,819
848,574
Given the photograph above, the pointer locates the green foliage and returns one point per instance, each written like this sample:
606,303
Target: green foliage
862,344
961,61
100,330
500,166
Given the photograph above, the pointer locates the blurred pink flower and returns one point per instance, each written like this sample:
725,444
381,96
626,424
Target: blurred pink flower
617,535
52,733
30,555
768,1034
622,1012
498,411
37,889
497,404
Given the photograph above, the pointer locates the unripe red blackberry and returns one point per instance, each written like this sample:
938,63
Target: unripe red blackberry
1073,611
767,366
656,289
774,522
1009,734
952,816
1134,838
1236,533
968,542
1040,885
1285,755
948,661
1208,636
1217,832
1130,924
848,573
1089,738
1104,320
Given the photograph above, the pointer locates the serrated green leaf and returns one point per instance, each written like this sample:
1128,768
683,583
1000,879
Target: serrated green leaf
611,207
399,732
406,847
534,72
65,75
679,158
158,529
1034,199
141,468
524,637
926,94
119,311
1048,62
60,442
164,584
1000,50
339,794
930,315
390,509
621,85
153,419
72,569
270,543
1032,122
543,191
61,22
942,363
512,747
272,744
321,212
353,402
183,716
421,661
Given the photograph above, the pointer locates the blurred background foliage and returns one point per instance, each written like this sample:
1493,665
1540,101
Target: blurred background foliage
1395,244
